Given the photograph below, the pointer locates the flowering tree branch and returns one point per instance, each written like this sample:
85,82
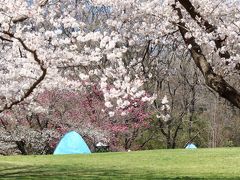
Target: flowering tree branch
205,24
36,83
213,80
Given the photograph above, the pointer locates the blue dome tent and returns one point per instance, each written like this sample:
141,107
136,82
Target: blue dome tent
191,146
72,143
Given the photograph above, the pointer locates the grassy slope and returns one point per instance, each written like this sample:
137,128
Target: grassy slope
160,164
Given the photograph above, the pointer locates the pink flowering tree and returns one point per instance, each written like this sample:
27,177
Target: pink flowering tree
37,128
91,116
128,124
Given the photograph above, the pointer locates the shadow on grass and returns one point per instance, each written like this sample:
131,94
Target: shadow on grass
71,172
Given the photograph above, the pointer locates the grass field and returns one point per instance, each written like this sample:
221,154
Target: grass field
223,163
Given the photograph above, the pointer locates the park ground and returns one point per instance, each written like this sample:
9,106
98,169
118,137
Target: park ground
219,163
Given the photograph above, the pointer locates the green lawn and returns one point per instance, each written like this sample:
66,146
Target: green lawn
223,163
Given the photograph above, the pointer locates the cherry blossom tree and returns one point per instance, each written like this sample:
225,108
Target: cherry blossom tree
208,30
42,46
115,44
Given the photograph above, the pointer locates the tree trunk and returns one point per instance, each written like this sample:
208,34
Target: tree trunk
169,144
21,147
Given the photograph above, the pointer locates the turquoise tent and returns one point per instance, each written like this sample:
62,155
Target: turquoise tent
191,146
72,143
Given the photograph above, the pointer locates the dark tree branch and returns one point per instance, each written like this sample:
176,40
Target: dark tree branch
19,19
206,25
191,139
36,83
147,140
5,39
213,80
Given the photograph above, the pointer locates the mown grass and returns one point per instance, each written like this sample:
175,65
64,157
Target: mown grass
223,163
